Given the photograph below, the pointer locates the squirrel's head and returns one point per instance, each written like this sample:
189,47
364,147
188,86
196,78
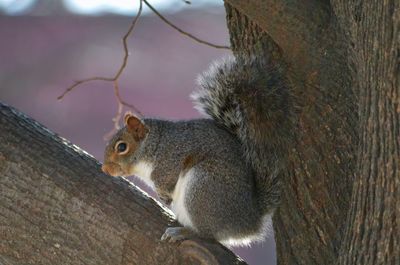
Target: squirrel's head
119,156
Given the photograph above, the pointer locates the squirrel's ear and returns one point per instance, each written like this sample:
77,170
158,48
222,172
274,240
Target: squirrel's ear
135,126
127,115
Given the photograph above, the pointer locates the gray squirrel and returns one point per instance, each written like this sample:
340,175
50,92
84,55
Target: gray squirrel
221,176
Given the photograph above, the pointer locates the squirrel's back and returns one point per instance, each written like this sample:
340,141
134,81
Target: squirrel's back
196,137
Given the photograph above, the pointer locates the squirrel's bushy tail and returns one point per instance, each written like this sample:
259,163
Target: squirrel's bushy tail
251,98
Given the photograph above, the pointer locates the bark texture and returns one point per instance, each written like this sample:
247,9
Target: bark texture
341,195
56,207
372,233
305,37
341,192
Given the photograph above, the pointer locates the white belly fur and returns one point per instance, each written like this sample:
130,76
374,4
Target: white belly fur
178,199
143,170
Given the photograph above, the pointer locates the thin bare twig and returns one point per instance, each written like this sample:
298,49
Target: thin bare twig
77,83
118,116
124,61
125,40
181,31
120,101
118,74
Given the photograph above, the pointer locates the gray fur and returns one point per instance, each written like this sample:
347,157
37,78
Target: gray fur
236,156
250,97
221,201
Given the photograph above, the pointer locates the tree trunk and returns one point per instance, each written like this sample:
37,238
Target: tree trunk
372,233
56,207
341,193
343,60
306,37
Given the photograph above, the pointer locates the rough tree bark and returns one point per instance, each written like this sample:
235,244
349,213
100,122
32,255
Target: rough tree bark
341,193
306,36
343,61
372,234
56,207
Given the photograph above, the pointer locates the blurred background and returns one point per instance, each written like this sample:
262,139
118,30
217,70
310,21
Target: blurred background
47,44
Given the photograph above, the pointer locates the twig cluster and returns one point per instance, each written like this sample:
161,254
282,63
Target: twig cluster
115,78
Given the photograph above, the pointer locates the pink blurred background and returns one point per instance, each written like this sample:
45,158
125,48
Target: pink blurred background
42,51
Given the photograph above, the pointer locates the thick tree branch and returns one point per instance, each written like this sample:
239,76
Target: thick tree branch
56,207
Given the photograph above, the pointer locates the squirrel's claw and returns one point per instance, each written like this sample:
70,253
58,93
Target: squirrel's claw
175,234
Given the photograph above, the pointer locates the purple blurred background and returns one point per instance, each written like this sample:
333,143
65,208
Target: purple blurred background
45,47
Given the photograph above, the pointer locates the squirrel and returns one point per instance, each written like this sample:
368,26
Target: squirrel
220,175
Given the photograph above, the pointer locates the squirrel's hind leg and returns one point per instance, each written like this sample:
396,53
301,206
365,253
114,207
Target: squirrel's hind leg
175,234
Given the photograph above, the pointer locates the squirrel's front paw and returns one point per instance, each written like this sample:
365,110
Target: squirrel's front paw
164,197
175,234
165,200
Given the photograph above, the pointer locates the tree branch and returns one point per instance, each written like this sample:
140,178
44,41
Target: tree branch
56,207
121,103
187,34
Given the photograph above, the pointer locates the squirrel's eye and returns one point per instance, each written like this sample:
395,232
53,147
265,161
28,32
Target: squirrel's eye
121,147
